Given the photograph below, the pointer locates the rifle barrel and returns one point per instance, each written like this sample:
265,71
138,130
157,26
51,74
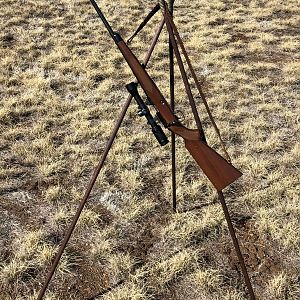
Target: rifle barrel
102,17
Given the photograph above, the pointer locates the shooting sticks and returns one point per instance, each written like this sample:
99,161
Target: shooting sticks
216,168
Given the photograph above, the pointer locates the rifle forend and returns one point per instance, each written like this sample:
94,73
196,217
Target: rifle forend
215,167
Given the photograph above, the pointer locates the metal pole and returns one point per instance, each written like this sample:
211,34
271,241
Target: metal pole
95,175
236,246
180,42
172,104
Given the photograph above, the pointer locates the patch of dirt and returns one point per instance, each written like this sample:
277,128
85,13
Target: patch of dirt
291,31
16,209
239,37
86,279
262,261
106,216
140,243
261,254
7,40
273,57
89,280
260,258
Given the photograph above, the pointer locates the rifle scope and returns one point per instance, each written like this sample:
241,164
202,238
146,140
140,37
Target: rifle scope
144,111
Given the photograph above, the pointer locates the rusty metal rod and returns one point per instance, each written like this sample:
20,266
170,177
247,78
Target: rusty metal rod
96,173
172,104
197,82
236,246
184,76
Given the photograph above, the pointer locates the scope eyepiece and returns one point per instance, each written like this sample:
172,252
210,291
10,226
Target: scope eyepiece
160,135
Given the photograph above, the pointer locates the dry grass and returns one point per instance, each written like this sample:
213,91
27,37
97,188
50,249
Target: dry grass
62,88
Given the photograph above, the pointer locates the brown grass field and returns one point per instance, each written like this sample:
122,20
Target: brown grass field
62,84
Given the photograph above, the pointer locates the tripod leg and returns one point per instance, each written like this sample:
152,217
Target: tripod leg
236,246
95,175
172,103
180,42
184,76
84,200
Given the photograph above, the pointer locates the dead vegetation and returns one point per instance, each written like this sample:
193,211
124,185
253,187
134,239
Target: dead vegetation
63,85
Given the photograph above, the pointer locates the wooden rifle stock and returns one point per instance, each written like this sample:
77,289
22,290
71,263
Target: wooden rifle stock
214,166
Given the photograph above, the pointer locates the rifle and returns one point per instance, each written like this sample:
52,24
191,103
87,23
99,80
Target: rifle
215,167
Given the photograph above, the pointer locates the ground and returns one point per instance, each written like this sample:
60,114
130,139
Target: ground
62,86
